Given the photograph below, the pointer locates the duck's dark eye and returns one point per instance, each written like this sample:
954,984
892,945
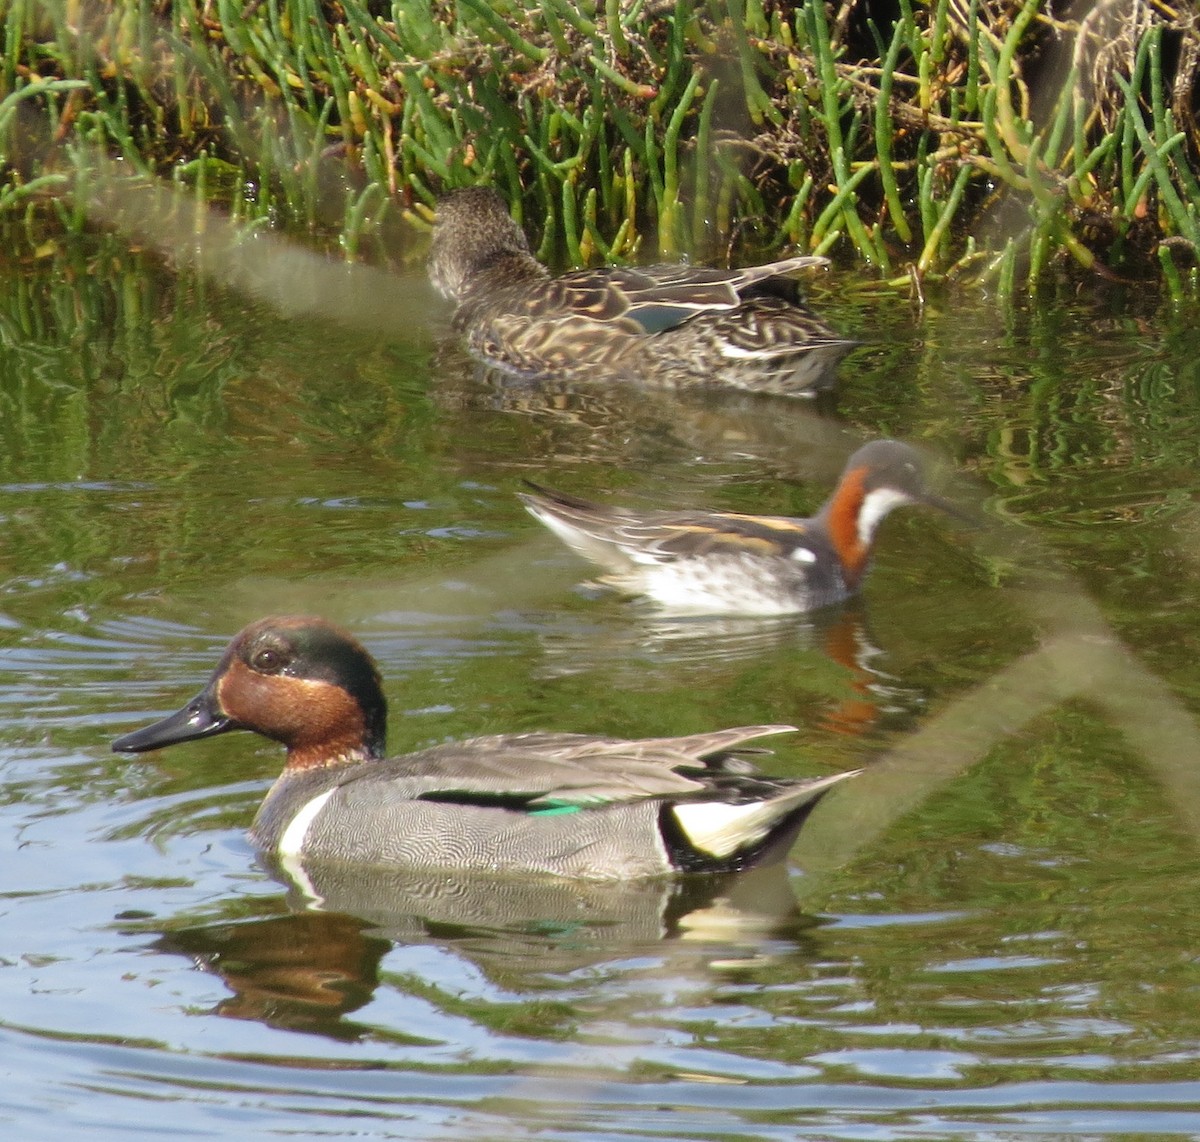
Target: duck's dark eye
268,660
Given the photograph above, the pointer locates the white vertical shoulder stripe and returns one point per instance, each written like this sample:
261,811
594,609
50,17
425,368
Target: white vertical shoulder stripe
292,841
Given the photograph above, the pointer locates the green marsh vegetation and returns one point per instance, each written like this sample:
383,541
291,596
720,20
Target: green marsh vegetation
992,141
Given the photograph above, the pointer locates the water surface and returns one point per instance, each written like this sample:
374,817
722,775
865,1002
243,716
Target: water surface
992,933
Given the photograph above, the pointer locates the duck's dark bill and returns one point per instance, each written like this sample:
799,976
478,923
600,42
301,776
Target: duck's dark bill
198,719
963,514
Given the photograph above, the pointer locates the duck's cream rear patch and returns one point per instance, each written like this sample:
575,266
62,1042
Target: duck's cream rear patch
721,829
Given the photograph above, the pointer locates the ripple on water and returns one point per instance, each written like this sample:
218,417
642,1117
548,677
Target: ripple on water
1008,958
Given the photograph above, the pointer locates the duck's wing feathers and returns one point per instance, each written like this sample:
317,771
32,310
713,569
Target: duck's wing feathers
699,535
542,771
618,537
762,329
650,299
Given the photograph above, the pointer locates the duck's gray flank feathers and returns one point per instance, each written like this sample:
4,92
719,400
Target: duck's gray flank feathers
476,804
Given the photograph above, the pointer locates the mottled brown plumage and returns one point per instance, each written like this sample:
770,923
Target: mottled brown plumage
675,326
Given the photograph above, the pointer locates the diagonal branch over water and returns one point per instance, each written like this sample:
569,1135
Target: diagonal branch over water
269,268
1080,659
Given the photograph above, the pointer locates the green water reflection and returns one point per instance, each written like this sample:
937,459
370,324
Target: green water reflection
991,932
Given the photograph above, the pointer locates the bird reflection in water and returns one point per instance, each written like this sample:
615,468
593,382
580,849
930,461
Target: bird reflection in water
308,970
830,651
301,972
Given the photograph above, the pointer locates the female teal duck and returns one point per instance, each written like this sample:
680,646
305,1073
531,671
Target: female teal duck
672,326
729,563
564,804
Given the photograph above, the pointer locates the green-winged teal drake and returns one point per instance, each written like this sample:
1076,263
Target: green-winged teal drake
728,563
563,804
674,326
